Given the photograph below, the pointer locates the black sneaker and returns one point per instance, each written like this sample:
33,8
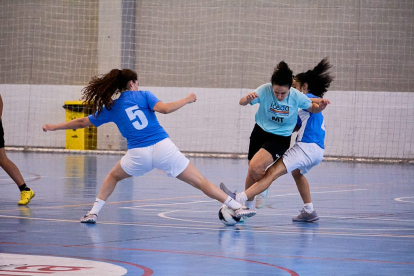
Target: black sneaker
227,191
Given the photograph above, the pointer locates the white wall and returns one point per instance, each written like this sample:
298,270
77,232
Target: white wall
359,124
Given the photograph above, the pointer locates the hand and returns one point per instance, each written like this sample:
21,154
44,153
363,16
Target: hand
191,98
251,96
323,104
48,128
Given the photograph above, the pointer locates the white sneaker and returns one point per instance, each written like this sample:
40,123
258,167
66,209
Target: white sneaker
89,218
244,212
261,199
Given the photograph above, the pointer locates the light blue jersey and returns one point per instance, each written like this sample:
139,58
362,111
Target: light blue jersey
312,127
277,117
133,114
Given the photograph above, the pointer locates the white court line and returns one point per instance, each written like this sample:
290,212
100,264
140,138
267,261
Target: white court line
400,199
327,192
210,201
223,228
167,204
343,218
162,215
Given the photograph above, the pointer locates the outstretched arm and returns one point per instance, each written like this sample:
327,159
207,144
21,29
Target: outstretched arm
74,124
248,98
166,108
318,100
318,107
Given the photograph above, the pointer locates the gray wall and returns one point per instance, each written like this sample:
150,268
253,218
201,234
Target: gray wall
211,44
236,43
48,41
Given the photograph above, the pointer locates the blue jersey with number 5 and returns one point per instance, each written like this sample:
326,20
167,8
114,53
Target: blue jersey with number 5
133,114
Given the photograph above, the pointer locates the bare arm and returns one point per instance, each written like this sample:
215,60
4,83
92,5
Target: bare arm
166,108
318,100
316,108
248,98
74,124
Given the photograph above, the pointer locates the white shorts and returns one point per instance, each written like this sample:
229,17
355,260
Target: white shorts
164,156
303,156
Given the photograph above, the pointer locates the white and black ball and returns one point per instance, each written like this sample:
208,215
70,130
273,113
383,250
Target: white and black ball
227,216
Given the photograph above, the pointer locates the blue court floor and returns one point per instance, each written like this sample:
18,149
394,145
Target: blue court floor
155,225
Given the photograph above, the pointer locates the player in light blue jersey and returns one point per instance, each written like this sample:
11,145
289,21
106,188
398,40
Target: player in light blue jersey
309,148
275,120
149,146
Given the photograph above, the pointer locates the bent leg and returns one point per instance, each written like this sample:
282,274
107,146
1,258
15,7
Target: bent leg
303,186
273,172
10,168
114,176
257,167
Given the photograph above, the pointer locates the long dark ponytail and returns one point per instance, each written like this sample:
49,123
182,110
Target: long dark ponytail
318,79
100,89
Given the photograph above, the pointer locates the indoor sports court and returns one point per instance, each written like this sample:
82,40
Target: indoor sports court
158,226
220,50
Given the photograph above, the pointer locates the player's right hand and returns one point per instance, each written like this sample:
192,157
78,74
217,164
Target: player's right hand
251,96
191,98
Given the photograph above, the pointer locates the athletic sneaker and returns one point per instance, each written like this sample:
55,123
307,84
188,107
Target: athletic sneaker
227,191
261,199
89,218
25,197
244,212
306,217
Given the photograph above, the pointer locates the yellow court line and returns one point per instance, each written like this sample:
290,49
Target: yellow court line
90,204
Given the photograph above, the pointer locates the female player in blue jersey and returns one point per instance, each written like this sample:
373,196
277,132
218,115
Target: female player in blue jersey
149,146
275,121
309,148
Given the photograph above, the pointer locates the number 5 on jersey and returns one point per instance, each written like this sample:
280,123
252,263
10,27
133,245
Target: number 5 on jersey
133,113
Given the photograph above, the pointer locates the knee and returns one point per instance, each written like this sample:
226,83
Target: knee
257,172
3,160
115,176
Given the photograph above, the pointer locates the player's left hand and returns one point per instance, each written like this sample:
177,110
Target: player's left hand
323,104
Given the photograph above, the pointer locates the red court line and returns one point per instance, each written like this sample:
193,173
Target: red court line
291,272
211,254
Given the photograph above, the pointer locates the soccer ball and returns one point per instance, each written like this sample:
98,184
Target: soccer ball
227,216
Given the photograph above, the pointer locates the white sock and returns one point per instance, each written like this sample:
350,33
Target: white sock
97,206
308,207
241,197
232,203
250,204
